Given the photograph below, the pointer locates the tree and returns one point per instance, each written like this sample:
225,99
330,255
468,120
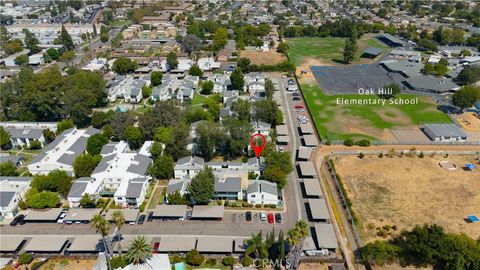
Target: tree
104,34
31,41
175,198
133,136
137,15
428,69
267,111
48,135
242,109
237,79
156,78
194,258
466,96
201,187
64,125
269,88
13,46
163,167
391,89
162,135
172,60
176,145
296,234
56,181
87,201
95,143
275,174
281,246
244,64
207,88
379,253
67,56
140,250
247,261
195,71
84,164
124,65
256,246
146,91
45,199
156,150
5,142
191,43
349,50
102,227
66,40
282,47
441,69
118,262
8,169
119,220
21,60
468,75
119,122
99,119
228,261
4,35
52,54
25,258
220,38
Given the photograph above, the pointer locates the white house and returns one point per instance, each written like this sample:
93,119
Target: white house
261,127
208,63
60,154
12,191
220,82
262,192
128,88
96,64
188,167
22,137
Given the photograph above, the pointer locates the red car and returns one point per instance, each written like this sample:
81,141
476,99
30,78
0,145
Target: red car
298,107
155,247
270,218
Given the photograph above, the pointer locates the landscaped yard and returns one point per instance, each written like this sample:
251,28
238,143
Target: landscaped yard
338,121
157,197
198,100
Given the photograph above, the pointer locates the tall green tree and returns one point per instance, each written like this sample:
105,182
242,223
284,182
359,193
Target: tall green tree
256,246
163,167
124,65
95,143
201,187
31,41
466,96
66,39
172,60
195,71
119,220
8,169
5,142
140,251
156,78
84,164
220,38
237,79
102,227
133,136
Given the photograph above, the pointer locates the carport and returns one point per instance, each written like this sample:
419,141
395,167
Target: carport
304,153
282,130
11,243
307,169
312,188
310,140
215,244
86,244
46,244
169,211
81,214
124,243
325,237
207,212
129,214
318,210
306,129
283,140
240,246
49,215
177,243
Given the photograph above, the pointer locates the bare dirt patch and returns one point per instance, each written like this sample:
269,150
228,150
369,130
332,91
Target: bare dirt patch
469,121
411,191
266,58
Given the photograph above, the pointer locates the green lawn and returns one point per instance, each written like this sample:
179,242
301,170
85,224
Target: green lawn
330,118
157,197
328,49
198,100
120,23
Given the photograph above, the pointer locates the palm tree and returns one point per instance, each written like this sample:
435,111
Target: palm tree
299,232
140,251
256,245
102,227
119,220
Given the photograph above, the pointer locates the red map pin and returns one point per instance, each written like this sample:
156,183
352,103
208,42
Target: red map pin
258,141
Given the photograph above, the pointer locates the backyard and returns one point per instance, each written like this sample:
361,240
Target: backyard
339,121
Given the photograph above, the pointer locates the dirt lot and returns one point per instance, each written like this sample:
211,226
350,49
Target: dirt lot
410,190
267,58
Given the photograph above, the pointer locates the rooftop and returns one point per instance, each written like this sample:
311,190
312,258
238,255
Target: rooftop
177,243
46,243
307,169
325,236
312,188
165,210
318,209
81,214
51,214
222,244
207,211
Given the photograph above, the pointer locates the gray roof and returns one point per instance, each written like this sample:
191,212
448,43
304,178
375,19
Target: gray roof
283,139
318,209
431,83
445,130
135,187
207,211
406,68
130,215
16,178
46,243
310,140
103,165
91,131
108,148
373,51
222,244
165,210
25,133
142,166
230,184
10,243
262,186
391,38
51,145
86,243
6,197
51,214
325,236
306,129
312,187
282,130
81,214
78,187
307,169
304,152
177,243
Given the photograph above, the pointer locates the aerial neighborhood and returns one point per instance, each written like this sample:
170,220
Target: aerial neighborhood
216,134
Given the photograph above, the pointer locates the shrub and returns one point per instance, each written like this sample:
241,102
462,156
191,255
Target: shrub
25,258
228,261
175,259
363,143
349,142
36,265
247,261
194,257
118,262
258,205
361,155
211,261
421,155
142,206
380,155
328,142
35,144
226,203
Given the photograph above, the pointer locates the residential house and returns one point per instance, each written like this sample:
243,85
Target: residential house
97,64
228,188
261,128
188,167
23,137
128,88
262,192
12,191
221,82
208,63
60,154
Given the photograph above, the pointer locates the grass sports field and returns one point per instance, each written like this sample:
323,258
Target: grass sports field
339,121
327,50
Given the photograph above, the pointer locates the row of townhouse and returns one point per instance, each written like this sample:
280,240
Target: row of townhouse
127,88
121,173
231,180
176,86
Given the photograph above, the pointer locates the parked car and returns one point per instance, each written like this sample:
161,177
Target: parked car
296,94
61,218
270,218
141,219
297,98
278,217
189,214
14,222
291,81
263,216
155,247
298,107
248,216
150,217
